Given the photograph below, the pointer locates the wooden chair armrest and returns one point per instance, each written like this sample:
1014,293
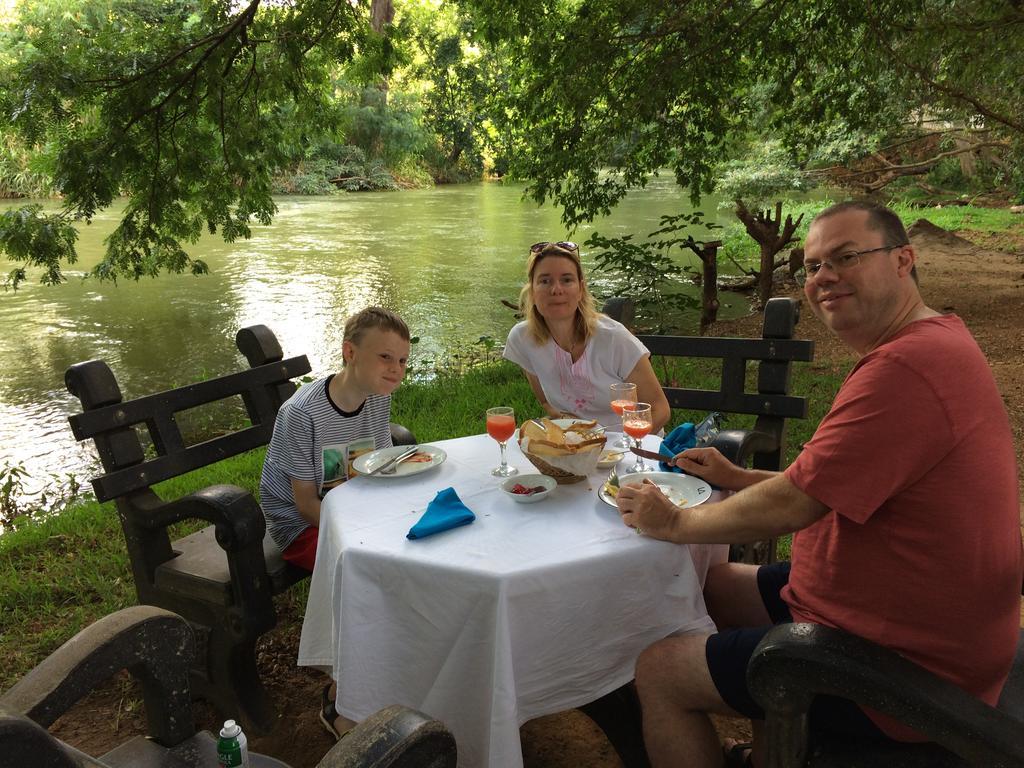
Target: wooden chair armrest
239,528
738,445
796,661
154,645
394,737
23,742
232,510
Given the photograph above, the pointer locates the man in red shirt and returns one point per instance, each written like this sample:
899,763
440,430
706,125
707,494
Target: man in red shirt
904,505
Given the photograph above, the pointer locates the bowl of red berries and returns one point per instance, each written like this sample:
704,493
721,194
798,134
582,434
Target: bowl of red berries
526,489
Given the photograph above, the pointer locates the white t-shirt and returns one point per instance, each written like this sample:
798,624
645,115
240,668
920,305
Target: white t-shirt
583,387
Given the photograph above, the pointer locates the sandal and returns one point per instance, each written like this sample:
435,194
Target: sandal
328,714
738,755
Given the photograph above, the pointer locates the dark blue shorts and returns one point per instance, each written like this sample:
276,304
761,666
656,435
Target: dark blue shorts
728,652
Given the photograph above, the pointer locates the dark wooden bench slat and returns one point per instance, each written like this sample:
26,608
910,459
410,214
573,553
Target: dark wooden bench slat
122,481
797,350
753,403
138,411
166,434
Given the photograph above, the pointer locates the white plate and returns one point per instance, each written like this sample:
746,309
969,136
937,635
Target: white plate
366,463
682,490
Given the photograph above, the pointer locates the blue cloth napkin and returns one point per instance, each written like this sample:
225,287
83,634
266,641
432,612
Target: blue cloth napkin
679,439
444,512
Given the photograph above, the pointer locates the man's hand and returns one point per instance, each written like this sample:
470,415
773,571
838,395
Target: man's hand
711,465
644,507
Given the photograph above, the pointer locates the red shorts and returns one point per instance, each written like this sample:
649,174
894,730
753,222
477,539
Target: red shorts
302,551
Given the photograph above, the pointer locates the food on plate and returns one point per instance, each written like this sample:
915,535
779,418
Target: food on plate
419,458
522,490
611,485
611,489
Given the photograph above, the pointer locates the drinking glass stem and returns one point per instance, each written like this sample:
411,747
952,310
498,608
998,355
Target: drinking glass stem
504,463
640,466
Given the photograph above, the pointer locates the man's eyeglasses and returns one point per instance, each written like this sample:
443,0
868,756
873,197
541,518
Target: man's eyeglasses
565,245
838,263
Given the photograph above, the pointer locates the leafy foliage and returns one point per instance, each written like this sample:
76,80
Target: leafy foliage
606,92
330,167
761,176
649,272
19,174
27,234
192,108
186,107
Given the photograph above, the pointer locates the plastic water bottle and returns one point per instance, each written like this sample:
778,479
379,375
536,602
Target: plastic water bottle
705,432
232,746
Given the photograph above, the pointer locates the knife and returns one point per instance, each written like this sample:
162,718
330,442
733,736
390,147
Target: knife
392,461
649,454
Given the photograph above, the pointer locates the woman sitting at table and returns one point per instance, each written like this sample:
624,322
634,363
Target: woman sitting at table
572,354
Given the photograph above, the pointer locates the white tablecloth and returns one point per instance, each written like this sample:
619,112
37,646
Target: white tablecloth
529,610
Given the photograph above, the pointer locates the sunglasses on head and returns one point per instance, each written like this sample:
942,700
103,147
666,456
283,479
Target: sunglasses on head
565,245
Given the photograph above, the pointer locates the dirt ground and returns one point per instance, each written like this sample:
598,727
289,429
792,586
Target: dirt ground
982,280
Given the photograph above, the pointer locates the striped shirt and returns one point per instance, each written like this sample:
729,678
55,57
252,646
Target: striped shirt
309,433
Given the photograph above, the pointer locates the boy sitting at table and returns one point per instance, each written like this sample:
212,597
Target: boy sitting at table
327,424
319,431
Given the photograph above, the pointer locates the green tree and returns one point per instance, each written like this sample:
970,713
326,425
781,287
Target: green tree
610,91
186,107
458,78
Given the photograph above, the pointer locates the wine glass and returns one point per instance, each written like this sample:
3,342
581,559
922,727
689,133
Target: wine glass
623,394
501,425
636,422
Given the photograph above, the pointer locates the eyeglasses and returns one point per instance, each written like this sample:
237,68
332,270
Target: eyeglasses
565,245
838,263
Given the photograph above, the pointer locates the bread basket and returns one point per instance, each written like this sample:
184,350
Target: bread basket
566,450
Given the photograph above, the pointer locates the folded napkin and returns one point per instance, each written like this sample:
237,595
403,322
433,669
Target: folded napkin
679,439
444,512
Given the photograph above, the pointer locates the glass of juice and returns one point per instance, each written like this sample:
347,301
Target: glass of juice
501,425
623,394
636,422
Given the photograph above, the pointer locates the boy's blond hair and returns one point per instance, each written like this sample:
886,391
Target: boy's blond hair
374,317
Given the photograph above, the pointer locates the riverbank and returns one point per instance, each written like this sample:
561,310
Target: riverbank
63,573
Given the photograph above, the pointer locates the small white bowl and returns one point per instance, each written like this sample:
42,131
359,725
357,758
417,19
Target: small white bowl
610,457
530,481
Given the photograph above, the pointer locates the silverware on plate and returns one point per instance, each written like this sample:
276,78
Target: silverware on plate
394,461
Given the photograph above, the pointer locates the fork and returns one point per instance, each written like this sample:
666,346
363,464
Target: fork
394,467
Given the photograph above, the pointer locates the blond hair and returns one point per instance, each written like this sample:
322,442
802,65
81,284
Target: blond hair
374,317
586,310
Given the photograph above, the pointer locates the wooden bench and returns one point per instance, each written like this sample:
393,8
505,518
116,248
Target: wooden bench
793,663
770,403
155,646
223,577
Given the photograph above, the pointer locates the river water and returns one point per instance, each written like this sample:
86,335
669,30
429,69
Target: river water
442,257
